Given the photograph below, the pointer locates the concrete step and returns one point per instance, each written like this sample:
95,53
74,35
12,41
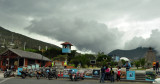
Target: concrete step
140,78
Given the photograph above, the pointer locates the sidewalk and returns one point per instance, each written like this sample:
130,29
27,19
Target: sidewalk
1,75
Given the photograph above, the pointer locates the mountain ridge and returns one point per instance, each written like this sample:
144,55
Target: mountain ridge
134,54
7,38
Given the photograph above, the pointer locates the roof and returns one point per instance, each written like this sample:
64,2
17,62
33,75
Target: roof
66,43
30,55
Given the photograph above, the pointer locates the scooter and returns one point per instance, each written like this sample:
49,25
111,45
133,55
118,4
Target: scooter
52,74
41,74
8,74
24,74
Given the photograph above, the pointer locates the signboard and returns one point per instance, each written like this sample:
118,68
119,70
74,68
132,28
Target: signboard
58,63
37,66
65,73
130,75
117,59
150,76
33,67
123,74
93,62
88,73
96,73
19,69
28,67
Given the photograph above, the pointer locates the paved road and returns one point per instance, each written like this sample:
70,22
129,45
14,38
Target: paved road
58,81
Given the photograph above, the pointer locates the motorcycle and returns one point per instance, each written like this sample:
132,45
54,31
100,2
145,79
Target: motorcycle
24,74
41,74
52,74
8,74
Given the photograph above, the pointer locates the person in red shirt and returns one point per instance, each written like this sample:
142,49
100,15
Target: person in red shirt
118,73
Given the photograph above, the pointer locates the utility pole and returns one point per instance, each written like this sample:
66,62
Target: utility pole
24,45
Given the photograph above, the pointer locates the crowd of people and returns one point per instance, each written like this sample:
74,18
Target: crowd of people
108,73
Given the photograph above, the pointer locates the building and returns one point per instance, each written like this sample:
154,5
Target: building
66,47
18,58
150,57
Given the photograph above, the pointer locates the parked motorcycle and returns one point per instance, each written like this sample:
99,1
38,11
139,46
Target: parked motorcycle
8,73
24,74
41,74
52,74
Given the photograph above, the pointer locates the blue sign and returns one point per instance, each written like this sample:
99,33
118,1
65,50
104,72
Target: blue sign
117,59
66,50
19,69
130,75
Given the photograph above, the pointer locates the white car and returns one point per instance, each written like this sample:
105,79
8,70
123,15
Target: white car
156,81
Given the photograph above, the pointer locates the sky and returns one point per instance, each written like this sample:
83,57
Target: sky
90,25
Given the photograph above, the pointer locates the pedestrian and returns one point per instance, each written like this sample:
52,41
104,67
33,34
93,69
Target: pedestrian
157,67
102,74
128,66
154,65
112,75
107,71
118,73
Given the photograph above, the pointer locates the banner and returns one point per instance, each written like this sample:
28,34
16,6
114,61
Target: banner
65,73
33,67
150,76
130,75
88,73
19,69
37,66
96,73
28,67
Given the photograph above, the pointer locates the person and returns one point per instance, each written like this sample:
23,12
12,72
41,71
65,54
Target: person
107,71
12,67
127,65
154,65
118,73
112,75
157,67
102,74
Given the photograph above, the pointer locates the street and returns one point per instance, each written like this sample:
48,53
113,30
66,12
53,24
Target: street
18,80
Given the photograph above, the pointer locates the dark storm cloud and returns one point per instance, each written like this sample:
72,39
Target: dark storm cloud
80,22
87,35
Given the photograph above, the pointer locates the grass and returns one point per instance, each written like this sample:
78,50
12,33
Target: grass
138,69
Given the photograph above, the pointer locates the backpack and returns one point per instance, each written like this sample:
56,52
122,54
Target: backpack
111,72
107,70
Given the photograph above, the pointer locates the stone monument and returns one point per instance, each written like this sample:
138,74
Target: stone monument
150,57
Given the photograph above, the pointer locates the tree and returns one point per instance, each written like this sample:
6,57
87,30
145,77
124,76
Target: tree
142,62
137,63
84,60
89,57
71,55
60,57
123,61
75,61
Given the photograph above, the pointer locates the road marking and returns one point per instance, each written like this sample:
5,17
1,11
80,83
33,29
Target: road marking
4,80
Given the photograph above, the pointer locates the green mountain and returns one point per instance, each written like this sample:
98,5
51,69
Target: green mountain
11,39
137,53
